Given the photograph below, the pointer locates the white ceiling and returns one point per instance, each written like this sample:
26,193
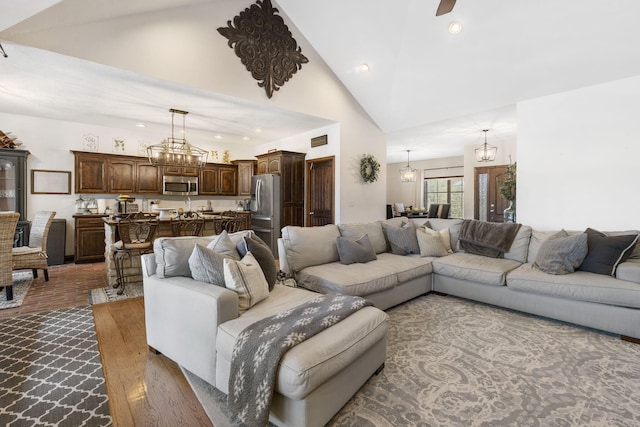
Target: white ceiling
429,91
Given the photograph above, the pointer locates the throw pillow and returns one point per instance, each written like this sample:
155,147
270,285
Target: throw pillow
607,252
431,244
355,251
223,245
403,239
444,235
262,253
561,253
245,277
207,265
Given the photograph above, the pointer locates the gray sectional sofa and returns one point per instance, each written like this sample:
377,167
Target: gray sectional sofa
608,303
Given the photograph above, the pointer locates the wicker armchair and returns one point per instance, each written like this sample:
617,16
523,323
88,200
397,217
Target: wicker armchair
8,222
34,256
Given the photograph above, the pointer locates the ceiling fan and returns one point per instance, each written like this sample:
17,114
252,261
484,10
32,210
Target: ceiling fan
445,6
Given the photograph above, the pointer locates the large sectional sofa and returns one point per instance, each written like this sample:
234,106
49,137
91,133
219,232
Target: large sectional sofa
604,302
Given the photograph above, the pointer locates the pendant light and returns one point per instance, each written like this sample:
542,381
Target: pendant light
407,173
486,152
177,152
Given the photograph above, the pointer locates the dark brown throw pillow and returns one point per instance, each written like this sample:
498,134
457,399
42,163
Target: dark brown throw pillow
607,252
262,253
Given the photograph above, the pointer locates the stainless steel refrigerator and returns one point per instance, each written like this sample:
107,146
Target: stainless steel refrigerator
265,209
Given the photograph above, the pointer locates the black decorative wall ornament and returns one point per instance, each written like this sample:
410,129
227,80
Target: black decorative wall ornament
265,45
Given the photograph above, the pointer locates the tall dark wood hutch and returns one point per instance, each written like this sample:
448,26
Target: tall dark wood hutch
13,191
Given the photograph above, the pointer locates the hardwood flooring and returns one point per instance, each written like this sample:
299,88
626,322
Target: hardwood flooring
144,389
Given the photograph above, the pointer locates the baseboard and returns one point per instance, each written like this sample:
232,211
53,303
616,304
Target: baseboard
630,339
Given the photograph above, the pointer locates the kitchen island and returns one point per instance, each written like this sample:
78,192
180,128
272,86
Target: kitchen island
132,266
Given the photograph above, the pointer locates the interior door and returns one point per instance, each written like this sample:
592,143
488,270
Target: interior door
489,204
320,192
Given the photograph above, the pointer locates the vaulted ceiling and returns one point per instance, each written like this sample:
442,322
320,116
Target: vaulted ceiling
428,90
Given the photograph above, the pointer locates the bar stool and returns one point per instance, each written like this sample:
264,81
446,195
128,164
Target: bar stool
187,224
231,221
137,232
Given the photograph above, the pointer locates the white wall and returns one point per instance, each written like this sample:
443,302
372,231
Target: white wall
578,156
183,45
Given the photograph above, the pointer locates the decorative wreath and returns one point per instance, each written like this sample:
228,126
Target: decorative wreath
369,168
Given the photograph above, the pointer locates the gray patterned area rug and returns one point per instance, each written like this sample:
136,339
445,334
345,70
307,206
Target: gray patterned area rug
50,371
109,294
453,362
21,282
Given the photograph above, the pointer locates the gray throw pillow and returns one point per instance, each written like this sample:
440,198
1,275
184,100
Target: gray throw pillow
355,251
207,265
403,239
262,253
223,245
561,253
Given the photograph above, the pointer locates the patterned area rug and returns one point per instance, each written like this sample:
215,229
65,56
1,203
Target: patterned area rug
453,362
50,371
108,294
21,282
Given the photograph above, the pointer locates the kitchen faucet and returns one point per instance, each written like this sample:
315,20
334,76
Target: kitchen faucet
188,204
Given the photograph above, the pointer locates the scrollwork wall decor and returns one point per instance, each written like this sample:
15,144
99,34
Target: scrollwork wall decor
264,44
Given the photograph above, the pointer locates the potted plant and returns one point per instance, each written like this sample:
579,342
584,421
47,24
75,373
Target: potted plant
508,191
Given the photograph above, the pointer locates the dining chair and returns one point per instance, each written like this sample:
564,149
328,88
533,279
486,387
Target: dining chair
34,256
189,223
8,222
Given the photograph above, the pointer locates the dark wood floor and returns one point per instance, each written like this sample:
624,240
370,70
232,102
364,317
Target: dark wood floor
144,389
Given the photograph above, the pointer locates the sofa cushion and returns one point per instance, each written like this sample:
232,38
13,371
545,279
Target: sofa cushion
353,250
520,246
431,244
362,279
371,229
246,278
262,253
629,270
172,254
312,362
475,268
307,246
606,252
207,265
561,253
403,239
444,234
453,225
581,285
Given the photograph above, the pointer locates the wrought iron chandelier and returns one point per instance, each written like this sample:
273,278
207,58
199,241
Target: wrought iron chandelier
407,173
486,152
177,152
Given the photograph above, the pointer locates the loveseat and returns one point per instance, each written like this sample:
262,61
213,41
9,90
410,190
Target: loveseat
606,302
196,324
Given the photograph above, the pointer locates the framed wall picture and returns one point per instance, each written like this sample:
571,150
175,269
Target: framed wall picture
50,182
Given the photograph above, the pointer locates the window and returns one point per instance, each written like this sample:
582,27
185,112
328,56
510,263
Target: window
446,190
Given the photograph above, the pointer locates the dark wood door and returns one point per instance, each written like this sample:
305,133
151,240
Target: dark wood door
489,204
320,192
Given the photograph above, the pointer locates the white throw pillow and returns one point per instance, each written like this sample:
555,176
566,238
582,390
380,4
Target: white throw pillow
444,235
430,244
223,245
246,278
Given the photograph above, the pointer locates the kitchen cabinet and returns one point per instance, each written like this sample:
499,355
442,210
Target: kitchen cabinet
149,178
122,175
90,173
177,171
89,238
246,169
290,166
218,180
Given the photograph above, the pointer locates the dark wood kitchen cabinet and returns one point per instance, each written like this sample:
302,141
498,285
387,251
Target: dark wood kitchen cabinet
148,178
246,169
218,180
89,238
122,175
90,173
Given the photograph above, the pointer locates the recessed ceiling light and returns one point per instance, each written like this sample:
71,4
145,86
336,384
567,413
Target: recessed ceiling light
245,138
455,27
141,125
218,137
258,130
364,68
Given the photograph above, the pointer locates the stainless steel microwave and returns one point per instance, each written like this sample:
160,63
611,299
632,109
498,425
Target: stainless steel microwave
180,185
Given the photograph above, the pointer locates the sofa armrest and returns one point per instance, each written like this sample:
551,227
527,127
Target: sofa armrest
182,317
149,265
284,267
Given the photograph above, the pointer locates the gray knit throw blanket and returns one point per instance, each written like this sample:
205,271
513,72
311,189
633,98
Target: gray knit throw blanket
259,348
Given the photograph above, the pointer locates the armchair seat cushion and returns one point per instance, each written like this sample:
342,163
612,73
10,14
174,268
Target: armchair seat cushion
26,250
